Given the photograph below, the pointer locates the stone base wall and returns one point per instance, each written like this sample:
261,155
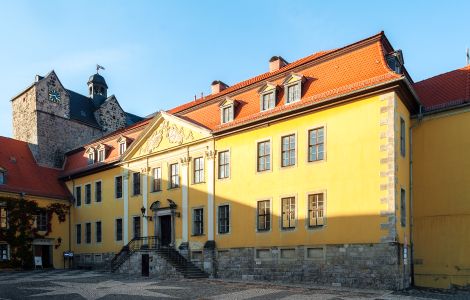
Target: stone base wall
352,265
159,267
96,261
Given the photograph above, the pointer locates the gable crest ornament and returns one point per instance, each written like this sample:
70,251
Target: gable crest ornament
173,133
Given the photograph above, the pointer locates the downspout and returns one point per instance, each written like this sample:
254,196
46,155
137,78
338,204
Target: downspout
420,116
70,218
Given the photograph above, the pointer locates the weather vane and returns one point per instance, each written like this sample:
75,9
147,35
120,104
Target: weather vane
98,67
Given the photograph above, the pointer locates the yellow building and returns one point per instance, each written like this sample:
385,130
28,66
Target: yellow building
301,173
334,169
441,206
34,210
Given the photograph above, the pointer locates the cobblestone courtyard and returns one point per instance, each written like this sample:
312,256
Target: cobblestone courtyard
77,284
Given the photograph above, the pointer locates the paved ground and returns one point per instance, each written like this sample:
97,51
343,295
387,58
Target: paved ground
64,284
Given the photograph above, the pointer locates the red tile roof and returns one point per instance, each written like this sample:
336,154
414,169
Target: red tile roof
23,174
444,90
77,160
328,74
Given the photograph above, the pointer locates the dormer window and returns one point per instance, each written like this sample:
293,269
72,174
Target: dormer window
122,148
91,155
3,176
267,96
293,88
122,142
101,155
227,110
101,152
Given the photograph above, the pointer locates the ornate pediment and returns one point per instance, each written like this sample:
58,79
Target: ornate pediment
292,78
267,87
166,132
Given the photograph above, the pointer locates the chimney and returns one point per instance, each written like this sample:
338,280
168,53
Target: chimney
277,62
218,86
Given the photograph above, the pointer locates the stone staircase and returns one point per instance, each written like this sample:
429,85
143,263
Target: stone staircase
181,264
152,245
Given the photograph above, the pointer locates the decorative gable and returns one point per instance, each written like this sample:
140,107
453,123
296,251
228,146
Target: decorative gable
165,132
90,153
293,87
268,96
227,110
102,151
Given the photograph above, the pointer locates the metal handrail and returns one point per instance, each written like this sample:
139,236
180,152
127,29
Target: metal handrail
136,244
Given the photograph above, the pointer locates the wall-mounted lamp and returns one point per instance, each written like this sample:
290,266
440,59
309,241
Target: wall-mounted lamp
59,242
142,209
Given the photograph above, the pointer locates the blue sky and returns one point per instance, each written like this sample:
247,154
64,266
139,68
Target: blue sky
160,54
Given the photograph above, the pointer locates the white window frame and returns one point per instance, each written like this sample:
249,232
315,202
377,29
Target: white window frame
296,217
96,232
229,219
91,193
231,114
170,176
194,221
81,195
229,164
122,148
115,186
96,191
154,178
201,170
270,200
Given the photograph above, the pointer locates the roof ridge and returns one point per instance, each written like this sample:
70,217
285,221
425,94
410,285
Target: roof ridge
467,67
292,65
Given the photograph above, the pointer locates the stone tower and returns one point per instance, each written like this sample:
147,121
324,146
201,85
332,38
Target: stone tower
54,120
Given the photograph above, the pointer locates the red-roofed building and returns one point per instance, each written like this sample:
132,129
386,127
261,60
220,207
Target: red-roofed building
305,172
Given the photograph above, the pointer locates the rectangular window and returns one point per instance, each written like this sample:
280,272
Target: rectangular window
264,215
91,158
316,210
88,233
136,227
403,208
118,187
98,231
88,194
264,156
224,164
288,150
4,255
288,213
3,218
316,145
402,137
78,196
198,221
157,179
118,229
198,170
227,114
2,177
268,101
78,232
174,175
293,93
101,155
224,219
136,183
122,148
41,221
98,191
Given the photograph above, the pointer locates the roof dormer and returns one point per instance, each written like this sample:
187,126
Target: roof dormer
90,153
268,94
293,87
123,142
227,110
101,150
